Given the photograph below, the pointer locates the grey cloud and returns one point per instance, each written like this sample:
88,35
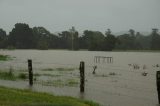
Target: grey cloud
58,15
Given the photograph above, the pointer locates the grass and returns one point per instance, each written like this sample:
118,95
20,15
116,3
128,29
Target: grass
16,97
103,75
58,69
22,76
4,57
72,82
48,69
65,69
52,75
7,75
60,83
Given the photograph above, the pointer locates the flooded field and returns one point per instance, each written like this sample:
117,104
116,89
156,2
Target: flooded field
130,80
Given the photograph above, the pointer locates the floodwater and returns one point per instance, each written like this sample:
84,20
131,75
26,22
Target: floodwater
119,83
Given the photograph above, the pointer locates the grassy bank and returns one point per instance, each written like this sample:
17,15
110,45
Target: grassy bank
15,97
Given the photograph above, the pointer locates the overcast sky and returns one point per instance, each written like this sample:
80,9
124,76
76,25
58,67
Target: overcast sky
60,15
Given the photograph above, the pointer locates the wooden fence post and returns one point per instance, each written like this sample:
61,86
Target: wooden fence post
158,85
30,72
82,76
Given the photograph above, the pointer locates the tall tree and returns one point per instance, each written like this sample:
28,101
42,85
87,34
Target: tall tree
65,40
155,40
93,40
3,38
22,37
74,39
132,32
142,41
109,41
44,39
124,42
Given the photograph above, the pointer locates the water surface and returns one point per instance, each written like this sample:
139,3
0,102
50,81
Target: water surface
127,87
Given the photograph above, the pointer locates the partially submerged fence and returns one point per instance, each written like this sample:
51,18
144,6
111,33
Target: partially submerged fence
103,59
82,69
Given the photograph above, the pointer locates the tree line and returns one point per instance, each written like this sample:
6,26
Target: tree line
24,37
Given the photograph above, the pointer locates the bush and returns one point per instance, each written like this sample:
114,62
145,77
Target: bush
22,76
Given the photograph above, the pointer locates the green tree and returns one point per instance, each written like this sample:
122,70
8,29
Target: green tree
109,41
74,39
3,38
155,40
142,42
22,37
124,42
42,37
69,39
132,32
92,40
128,41
65,40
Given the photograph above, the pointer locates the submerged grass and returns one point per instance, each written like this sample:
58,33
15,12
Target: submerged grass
60,83
22,76
65,69
15,97
58,69
48,69
52,75
4,57
7,75
72,82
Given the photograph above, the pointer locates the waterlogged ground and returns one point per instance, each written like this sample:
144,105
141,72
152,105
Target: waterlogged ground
129,81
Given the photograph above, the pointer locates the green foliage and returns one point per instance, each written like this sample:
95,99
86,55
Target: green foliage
48,69
129,41
65,69
72,82
3,38
60,83
69,40
155,40
52,75
42,45
92,40
58,69
4,57
21,37
24,37
15,97
109,41
7,75
22,76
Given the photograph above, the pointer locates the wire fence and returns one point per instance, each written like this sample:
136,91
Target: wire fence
98,84
23,65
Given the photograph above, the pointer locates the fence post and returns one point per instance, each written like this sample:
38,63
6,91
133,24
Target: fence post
158,85
30,72
82,76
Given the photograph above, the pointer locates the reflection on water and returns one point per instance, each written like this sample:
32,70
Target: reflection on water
118,83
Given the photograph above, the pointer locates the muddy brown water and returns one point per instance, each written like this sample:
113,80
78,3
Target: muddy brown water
114,84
